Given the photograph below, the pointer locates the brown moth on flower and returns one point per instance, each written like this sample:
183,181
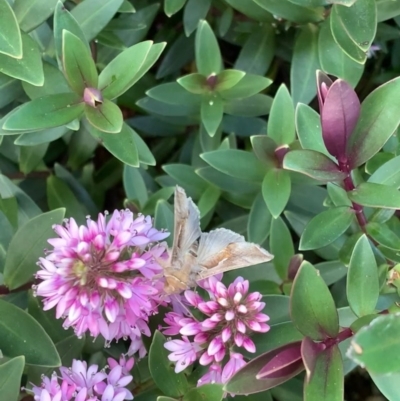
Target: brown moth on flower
195,255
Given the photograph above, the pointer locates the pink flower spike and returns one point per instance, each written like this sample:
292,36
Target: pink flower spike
183,352
235,363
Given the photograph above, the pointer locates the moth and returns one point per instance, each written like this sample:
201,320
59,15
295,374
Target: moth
196,255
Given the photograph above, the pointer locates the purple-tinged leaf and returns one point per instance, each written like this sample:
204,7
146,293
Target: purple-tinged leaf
245,380
294,265
309,352
339,117
314,164
379,118
312,307
323,84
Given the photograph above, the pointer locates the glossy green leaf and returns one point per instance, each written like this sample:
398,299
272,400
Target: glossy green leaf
31,156
171,7
252,10
305,62
45,112
387,174
60,195
326,227
281,124
253,106
338,195
276,190
209,392
208,200
208,56
20,263
248,86
387,384
378,119
164,218
264,149
20,334
145,155
194,83
383,235
134,185
376,346
93,16
334,60
31,14
281,246
212,110
326,382
259,224
362,279
29,68
10,36
313,164
227,79
79,66
291,11
106,117
114,79
121,145
387,9
10,378
312,307
194,12
376,195
246,166
170,383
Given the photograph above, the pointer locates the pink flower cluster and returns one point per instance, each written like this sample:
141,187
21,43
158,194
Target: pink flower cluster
230,316
102,276
80,383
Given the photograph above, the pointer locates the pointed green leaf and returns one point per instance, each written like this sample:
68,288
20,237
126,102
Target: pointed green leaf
314,164
259,224
248,86
376,195
208,56
388,173
31,156
383,235
227,79
312,307
212,111
10,378
209,392
194,83
281,126
362,279
276,190
21,334
20,263
378,120
326,227
387,384
171,7
10,35
145,155
106,117
193,13
79,66
45,112
29,68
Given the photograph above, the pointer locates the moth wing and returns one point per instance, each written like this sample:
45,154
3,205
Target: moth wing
187,224
222,250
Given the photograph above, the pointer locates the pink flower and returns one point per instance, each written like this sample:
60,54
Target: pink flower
102,277
82,383
230,316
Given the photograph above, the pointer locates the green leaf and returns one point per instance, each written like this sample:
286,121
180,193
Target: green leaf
308,126
194,83
334,60
377,347
362,279
145,155
276,190
20,334
326,227
378,120
387,384
31,156
388,173
304,64
281,246
45,112
338,195
259,224
212,111
30,14
209,392
264,148
163,193
227,79
326,380
106,117
170,383
208,56
121,145
114,79
281,124
246,166
383,235
208,200
29,68
376,195
194,12
171,7
20,263
387,9
10,89
10,378
93,16
253,106
252,10
164,218
313,164
59,195
312,307
78,63
248,86
10,36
